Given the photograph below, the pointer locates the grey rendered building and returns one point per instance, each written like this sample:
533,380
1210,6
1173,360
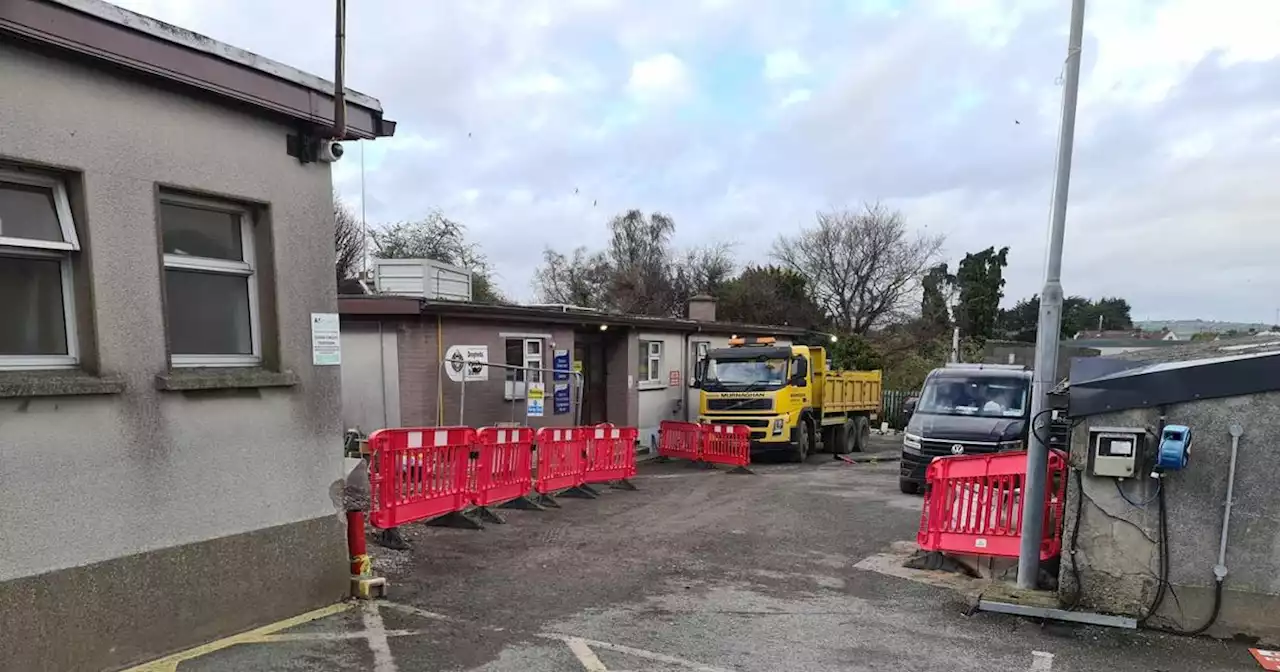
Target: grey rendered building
168,448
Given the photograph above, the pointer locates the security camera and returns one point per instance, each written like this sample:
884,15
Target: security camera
330,151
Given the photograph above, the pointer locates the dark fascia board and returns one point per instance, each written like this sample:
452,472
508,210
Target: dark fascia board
400,305
379,305
116,37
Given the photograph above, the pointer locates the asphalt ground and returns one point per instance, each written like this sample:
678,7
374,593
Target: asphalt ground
788,569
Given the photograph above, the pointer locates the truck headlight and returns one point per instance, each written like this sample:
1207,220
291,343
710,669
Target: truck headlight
910,441
778,424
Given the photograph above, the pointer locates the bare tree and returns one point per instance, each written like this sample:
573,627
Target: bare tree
639,252
701,270
638,273
348,241
864,267
582,279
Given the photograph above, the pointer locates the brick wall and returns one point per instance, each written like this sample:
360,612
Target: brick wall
485,403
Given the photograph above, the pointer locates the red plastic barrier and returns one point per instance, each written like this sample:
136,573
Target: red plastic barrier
681,440
561,458
974,505
727,444
611,453
418,473
504,467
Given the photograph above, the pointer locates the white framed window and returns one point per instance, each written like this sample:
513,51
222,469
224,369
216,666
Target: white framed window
525,352
37,239
210,282
650,361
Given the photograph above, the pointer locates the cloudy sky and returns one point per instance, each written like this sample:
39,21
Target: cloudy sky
534,121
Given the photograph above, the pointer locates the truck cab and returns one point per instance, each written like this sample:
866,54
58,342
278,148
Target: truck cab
788,396
965,409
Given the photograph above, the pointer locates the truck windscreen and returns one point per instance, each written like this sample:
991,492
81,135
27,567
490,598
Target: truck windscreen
981,396
736,373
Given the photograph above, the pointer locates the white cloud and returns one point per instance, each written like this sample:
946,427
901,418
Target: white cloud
784,64
795,97
661,77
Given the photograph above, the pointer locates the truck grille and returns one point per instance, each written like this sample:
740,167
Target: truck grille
748,422
739,404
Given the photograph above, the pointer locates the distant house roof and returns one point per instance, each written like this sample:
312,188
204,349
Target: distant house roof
1123,343
387,305
109,35
1113,334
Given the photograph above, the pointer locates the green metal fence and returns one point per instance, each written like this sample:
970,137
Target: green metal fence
892,403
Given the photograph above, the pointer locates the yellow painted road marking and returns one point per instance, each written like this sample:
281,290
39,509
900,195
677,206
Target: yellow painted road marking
170,663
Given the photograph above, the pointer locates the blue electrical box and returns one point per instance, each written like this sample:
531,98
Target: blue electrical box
1175,448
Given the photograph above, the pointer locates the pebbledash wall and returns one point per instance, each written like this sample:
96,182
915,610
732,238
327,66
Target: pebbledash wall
148,509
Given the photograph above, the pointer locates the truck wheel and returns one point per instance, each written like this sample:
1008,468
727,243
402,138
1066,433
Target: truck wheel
863,429
800,451
846,437
908,487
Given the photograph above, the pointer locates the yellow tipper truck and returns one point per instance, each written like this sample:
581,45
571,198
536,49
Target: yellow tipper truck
788,396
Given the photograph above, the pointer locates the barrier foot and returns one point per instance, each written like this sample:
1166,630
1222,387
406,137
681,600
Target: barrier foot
580,492
740,470
392,539
524,504
623,484
547,501
488,515
456,519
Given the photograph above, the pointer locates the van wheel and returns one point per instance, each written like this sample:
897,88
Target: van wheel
800,451
908,487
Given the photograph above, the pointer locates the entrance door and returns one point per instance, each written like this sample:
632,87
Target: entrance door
591,354
697,353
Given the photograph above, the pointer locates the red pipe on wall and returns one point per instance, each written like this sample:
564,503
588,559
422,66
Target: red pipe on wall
360,562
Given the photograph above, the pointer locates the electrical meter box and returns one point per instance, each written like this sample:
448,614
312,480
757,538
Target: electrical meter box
1114,451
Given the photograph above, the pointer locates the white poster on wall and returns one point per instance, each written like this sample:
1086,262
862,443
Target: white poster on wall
536,396
466,362
326,344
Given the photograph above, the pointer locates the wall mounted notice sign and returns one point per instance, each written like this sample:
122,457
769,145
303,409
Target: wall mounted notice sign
466,362
326,346
560,365
560,398
535,397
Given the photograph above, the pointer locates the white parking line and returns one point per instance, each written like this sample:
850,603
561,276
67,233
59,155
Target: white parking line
590,662
1041,661
376,632
638,653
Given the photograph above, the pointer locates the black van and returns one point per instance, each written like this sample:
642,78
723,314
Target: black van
965,409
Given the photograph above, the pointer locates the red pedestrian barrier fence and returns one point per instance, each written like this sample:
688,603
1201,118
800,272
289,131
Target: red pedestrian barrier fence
727,444
423,473
561,458
416,473
682,440
504,466
973,504
710,444
611,453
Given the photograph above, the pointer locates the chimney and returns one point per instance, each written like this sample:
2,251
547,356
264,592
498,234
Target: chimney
702,308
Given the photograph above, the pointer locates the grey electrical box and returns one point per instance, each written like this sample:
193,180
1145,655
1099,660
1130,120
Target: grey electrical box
1114,451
